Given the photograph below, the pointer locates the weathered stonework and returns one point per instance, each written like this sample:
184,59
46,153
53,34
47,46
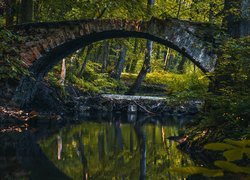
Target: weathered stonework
45,44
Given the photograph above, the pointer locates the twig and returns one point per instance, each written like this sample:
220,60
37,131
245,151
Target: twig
144,108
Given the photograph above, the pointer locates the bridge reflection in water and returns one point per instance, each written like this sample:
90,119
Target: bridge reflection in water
116,150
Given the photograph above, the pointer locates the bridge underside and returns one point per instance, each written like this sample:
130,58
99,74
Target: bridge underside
45,44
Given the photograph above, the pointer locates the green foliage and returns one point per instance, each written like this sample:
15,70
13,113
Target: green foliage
230,102
231,167
78,9
227,111
218,146
90,82
198,170
242,143
232,151
183,86
11,65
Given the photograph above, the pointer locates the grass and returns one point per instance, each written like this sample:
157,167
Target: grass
173,83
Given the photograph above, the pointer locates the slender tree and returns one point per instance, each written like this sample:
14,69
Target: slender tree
237,17
146,65
180,67
10,12
84,64
25,11
179,9
105,55
135,60
166,59
116,74
63,72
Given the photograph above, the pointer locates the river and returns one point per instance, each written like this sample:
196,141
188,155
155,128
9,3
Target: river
112,146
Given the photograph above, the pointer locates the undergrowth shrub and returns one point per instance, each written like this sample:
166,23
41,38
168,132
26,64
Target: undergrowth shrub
11,67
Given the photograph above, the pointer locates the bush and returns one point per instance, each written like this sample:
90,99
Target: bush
11,67
229,105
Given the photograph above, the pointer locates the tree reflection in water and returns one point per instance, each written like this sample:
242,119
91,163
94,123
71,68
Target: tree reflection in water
142,149
116,150
59,147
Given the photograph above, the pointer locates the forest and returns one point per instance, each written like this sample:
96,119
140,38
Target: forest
124,89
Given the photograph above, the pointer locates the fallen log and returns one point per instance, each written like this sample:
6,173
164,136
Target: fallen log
133,104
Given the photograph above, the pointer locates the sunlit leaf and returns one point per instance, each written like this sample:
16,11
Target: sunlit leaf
228,166
218,146
233,155
241,143
198,170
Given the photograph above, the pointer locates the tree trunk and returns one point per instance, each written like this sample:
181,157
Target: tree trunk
180,67
146,65
10,12
84,64
238,24
59,147
119,144
134,61
211,12
25,11
141,137
98,53
158,52
245,21
116,74
37,10
81,154
166,55
171,62
112,52
63,72
142,47
101,149
128,66
145,69
179,9
150,4
105,56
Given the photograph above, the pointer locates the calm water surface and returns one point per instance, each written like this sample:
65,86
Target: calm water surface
116,150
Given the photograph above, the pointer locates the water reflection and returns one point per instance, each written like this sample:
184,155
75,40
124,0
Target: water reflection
142,148
116,150
59,147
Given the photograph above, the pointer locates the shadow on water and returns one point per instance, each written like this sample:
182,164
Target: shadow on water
32,158
103,146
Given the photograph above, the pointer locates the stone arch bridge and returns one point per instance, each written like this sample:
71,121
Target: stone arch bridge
45,44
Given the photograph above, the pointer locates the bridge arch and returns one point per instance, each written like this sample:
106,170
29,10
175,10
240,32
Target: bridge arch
45,44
